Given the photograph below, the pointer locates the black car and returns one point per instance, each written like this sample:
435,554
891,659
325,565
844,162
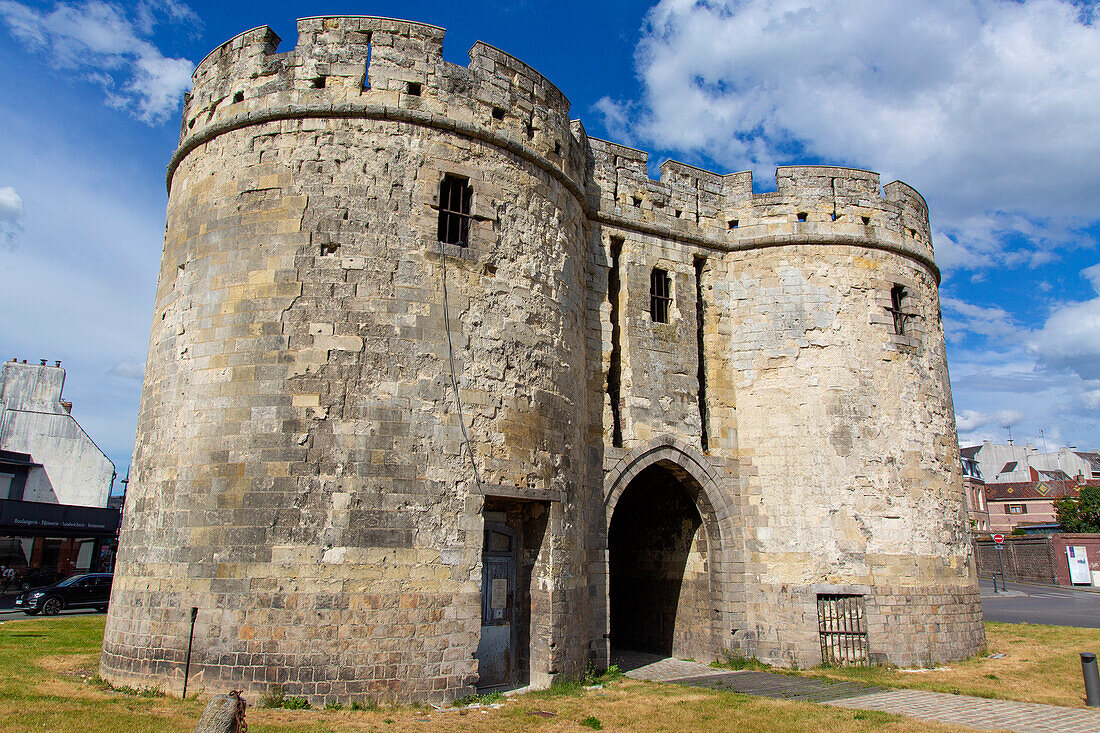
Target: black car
79,591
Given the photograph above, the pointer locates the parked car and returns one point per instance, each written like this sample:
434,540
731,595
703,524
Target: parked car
79,591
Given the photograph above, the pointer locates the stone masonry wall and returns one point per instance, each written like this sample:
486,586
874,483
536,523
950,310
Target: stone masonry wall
302,476
301,461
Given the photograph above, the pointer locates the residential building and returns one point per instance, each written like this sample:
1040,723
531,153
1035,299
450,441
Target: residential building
977,510
54,482
1013,504
1008,463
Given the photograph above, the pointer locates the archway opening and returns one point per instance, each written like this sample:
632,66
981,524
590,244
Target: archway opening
660,597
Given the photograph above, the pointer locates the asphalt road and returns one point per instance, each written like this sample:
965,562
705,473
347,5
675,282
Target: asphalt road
8,611
1041,604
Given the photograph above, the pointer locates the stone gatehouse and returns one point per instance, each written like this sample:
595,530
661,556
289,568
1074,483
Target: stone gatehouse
443,393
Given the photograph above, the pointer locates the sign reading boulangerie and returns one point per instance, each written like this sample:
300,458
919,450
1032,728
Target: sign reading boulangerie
62,520
1078,566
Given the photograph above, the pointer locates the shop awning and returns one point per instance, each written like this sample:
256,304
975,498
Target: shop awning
29,518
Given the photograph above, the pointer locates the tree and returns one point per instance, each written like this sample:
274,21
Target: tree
1081,514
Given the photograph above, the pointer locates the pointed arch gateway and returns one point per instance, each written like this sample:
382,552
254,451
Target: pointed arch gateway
668,526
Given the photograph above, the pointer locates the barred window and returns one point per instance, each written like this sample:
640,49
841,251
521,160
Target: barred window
659,295
454,210
897,303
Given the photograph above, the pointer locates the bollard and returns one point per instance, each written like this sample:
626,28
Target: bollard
1092,679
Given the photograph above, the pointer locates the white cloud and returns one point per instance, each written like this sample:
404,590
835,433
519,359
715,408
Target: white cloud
990,107
100,39
11,204
965,319
1070,338
970,420
1043,382
129,368
11,213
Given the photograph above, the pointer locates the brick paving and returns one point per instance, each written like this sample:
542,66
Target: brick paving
978,712
974,712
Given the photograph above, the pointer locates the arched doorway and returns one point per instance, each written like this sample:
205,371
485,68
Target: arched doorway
660,587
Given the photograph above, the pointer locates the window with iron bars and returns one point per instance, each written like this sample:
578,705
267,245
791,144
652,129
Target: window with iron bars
659,295
455,194
897,303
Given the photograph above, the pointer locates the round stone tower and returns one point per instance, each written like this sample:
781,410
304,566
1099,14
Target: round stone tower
303,476
443,395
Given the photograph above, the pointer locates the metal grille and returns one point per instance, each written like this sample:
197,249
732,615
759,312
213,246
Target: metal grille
897,302
842,626
454,210
659,297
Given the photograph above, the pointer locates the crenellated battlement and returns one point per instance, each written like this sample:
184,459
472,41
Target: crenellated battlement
387,69
824,203
378,67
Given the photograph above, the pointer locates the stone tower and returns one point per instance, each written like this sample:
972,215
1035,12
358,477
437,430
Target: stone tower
443,394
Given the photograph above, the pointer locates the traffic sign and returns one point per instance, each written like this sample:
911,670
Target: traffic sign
999,539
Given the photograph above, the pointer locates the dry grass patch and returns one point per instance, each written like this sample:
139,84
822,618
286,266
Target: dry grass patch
625,705
46,682
1041,664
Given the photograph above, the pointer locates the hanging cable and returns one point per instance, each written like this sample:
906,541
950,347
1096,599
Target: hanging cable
451,359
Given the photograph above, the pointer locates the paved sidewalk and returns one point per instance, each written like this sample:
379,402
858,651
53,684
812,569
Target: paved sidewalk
978,712
974,712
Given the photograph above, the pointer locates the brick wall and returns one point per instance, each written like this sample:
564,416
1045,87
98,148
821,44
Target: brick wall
1059,543
1036,559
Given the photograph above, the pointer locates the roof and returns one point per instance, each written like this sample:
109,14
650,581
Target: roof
1092,457
970,452
14,458
1041,489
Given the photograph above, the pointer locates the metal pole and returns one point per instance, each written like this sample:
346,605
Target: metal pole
1092,679
187,663
1001,557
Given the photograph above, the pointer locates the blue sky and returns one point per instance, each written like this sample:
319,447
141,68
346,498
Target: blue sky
991,108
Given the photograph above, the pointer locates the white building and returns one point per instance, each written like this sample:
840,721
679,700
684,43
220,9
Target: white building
1000,463
47,457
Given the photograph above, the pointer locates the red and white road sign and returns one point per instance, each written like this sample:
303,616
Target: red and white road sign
999,539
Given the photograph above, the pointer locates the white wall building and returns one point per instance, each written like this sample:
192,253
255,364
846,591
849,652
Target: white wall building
65,466
999,463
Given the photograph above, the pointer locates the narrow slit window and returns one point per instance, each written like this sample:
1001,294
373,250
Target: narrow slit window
318,82
414,88
700,330
802,216
897,305
455,194
659,295
366,68
614,372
